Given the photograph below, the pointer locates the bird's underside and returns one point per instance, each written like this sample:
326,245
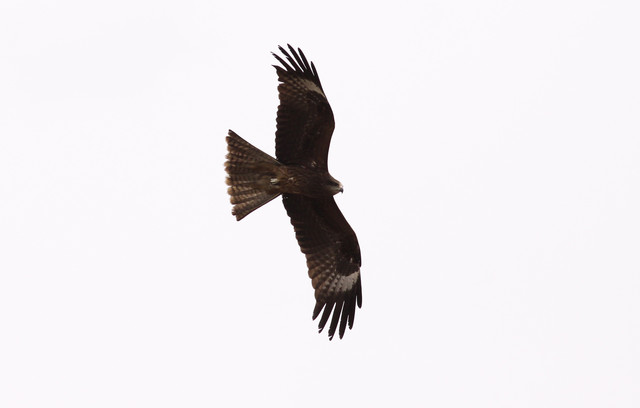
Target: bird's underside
251,171
304,127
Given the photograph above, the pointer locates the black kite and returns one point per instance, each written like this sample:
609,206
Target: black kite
304,128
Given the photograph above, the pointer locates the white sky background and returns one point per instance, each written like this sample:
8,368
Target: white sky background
490,153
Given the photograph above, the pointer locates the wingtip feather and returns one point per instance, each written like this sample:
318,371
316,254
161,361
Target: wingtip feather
296,62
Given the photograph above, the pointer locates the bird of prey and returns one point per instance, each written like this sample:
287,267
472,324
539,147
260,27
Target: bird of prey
299,173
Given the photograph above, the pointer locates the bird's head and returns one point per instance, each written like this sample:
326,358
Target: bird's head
334,186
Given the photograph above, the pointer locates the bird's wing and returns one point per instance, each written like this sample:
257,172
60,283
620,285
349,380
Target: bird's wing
333,258
305,120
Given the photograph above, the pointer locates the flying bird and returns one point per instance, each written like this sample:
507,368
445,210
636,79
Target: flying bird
300,174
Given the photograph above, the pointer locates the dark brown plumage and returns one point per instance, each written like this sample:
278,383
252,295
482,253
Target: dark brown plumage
300,174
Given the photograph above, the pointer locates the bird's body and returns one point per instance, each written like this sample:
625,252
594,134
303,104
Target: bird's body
300,174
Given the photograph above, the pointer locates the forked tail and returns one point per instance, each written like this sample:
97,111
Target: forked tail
250,172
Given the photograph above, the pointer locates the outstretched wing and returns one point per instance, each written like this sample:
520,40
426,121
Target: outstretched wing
305,120
333,258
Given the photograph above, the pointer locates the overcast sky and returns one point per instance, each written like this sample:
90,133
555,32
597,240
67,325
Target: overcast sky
490,154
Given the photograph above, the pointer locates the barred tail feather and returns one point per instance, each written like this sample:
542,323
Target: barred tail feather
249,175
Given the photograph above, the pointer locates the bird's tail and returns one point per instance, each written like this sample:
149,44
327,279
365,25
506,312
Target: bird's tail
250,175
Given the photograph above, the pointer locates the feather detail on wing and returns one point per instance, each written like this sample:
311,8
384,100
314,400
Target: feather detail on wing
333,258
305,121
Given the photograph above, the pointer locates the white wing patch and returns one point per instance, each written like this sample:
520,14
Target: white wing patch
341,283
346,283
312,87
